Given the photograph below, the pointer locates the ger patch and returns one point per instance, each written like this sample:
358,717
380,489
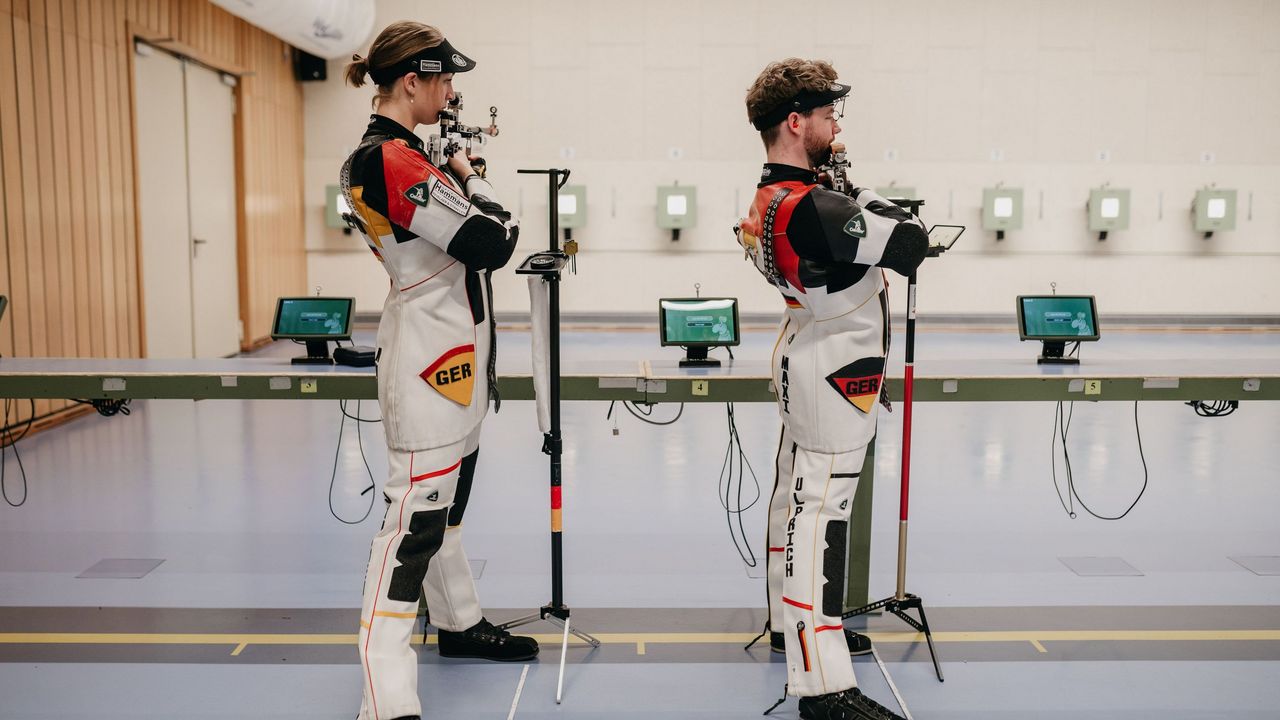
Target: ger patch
856,227
453,374
859,382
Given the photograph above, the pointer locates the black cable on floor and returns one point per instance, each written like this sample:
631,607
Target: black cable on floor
1061,426
342,404
7,440
729,486
1053,459
6,432
725,486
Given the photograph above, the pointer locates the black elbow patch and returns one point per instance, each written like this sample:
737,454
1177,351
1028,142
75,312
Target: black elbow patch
906,249
482,243
490,208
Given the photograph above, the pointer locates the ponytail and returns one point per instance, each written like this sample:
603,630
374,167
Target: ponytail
357,69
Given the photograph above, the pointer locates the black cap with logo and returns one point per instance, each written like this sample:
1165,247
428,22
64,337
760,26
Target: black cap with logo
803,102
443,58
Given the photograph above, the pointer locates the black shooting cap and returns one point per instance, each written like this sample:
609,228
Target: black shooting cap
443,58
803,102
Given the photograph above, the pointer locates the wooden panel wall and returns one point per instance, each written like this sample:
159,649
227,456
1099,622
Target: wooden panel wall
270,134
68,215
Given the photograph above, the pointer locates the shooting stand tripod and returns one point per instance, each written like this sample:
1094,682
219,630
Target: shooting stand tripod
548,265
902,601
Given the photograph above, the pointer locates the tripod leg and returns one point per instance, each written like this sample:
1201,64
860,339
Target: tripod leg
900,607
564,652
586,638
928,637
520,621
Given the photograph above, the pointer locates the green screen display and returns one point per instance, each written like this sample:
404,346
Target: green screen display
699,322
1058,317
313,317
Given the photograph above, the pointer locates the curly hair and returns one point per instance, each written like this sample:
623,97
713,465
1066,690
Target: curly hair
783,80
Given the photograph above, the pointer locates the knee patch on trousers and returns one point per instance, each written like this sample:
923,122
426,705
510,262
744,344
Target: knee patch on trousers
419,545
833,567
460,495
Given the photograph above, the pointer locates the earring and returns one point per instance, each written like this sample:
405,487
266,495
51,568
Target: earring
410,99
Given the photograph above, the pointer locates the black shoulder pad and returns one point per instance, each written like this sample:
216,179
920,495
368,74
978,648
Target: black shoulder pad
835,213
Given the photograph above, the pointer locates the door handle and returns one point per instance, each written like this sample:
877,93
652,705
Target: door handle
195,246
198,241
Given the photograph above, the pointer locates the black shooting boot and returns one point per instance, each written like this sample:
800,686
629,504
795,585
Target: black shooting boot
850,704
483,640
859,644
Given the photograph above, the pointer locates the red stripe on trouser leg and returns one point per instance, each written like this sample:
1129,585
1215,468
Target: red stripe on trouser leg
373,614
821,483
775,560
800,605
386,648
437,473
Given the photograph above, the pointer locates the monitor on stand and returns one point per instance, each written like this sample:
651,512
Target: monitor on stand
698,324
1056,320
315,321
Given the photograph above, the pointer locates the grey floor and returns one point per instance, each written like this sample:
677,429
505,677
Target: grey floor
232,497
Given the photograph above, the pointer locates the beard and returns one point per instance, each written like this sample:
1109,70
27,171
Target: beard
817,149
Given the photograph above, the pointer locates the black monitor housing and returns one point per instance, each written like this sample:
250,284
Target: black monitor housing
1056,320
697,325
316,321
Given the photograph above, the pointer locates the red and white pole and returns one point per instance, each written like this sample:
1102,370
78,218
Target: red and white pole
907,385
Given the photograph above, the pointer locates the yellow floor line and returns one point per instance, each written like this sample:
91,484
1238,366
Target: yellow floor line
1039,648
239,648
239,640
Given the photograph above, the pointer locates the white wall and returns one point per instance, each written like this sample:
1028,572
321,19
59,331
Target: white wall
1179,95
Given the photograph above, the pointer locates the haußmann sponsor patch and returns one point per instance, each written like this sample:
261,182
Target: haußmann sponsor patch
450,199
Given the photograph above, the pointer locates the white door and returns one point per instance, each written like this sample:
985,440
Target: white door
164,221
215,292
187,207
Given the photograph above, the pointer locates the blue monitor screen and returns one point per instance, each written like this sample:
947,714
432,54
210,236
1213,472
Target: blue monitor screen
699,321
1058,317
313,318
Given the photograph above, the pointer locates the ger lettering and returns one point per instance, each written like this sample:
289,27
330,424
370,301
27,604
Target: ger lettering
453,374
861,386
